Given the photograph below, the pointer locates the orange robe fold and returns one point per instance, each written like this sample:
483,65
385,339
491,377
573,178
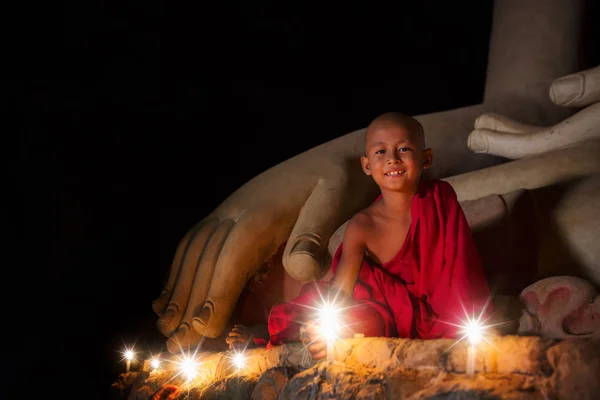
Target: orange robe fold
434,282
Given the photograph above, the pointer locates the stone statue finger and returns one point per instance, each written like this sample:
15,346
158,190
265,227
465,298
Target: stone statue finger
251,241
497,122
577,90
209,233
198,287
514,143
533,172
161,302
305,256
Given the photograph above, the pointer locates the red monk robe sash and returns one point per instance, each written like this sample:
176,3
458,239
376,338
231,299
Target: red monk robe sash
424,291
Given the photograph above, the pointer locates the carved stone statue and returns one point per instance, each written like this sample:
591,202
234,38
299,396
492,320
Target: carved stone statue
561,307
303,202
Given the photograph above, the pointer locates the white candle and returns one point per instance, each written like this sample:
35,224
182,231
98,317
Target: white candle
471,353
329,328
128,356
330,351
474,335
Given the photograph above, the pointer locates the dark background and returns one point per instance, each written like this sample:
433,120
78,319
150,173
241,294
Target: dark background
135,119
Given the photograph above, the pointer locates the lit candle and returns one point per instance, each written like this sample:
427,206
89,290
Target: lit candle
474,335
239,360
155,363
188,367
129,355
329,325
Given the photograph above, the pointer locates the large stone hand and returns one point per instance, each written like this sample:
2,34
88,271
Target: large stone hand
301,201
497,135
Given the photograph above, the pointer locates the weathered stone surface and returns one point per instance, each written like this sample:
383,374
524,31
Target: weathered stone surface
504,355
403,383
576,369
125,383
523,354
327,380
340,381
485,386
232,387
432,384
508,367
271,383
422,353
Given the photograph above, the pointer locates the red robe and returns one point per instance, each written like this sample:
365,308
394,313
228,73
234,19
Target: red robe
422,292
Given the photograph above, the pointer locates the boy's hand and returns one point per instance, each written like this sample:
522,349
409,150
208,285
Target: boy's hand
311,338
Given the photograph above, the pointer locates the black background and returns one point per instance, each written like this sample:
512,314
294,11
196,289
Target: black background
135,119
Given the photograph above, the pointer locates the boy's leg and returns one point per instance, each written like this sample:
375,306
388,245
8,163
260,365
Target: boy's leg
286,320
364,319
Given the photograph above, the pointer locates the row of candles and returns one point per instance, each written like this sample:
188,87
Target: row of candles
189,366
329,323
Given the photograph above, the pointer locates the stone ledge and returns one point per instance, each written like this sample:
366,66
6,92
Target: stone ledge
507,367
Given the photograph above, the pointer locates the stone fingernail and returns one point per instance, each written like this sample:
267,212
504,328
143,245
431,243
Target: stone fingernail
203,316
567,89
478,142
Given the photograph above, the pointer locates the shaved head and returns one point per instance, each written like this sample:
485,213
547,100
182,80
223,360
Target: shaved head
395,143
395,119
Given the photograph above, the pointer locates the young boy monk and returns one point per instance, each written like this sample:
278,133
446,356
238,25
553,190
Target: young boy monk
407,266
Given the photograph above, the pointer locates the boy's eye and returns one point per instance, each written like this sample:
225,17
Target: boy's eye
403,149
380,151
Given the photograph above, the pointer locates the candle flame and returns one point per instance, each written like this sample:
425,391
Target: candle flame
474,332
239,360
188,367
329,322
128,353
155,363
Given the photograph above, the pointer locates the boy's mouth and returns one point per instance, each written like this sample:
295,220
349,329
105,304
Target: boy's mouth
394,173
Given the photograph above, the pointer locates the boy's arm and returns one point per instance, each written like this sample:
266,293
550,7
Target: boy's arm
351,260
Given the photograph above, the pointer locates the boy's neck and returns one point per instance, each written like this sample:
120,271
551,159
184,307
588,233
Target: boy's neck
397,203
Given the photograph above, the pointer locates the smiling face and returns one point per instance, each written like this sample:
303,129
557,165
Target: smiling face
395,153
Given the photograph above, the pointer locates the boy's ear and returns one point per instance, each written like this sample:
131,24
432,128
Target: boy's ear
427,158
365,165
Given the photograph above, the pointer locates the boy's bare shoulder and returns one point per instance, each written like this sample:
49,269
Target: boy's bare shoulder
361,221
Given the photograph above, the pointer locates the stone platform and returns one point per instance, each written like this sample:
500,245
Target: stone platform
506,367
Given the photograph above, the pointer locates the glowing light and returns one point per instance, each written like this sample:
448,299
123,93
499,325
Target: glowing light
129,355
328,319
474,331
329,322
329,325
155,363
188,367
239,360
